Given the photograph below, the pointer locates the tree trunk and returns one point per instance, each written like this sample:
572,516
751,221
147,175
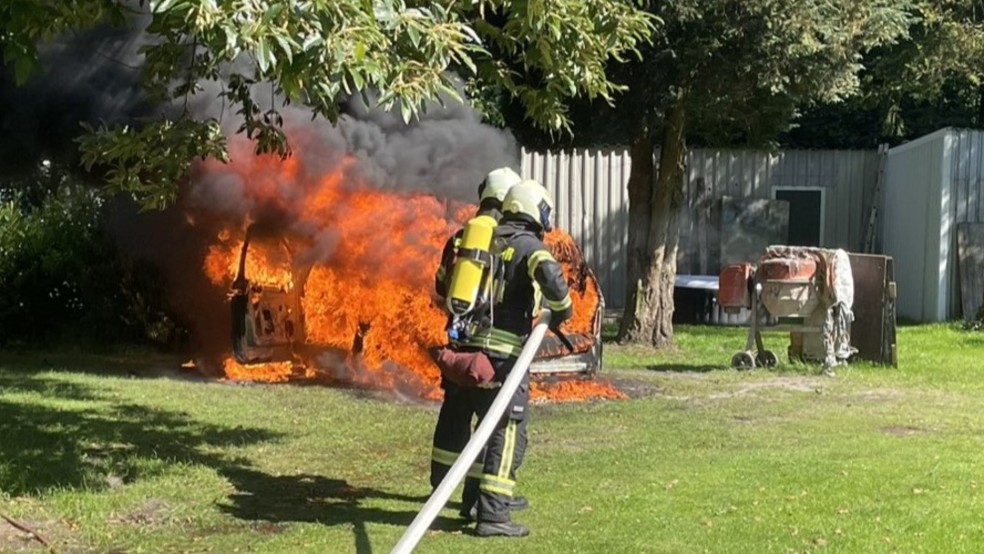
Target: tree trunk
980,105
648,316
640,187
979,320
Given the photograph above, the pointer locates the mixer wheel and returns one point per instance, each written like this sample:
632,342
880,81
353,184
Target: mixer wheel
743,360
767,358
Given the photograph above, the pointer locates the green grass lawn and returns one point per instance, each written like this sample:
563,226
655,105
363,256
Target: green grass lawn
127,455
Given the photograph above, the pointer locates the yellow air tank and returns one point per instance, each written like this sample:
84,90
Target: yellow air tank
469,273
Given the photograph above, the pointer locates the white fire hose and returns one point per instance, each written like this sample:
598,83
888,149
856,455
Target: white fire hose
442,493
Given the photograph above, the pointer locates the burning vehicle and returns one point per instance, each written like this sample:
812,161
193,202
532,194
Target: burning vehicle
275,293
331,278
327,258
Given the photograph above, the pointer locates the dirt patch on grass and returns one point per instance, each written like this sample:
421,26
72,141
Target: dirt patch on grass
237,527
710,389
16,541
13,539
636,388
795,383
901,430
879,394
642,388
698,387
152,511
572,445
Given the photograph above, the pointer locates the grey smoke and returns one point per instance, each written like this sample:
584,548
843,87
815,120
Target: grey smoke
447,152
324,243
227,197
88,77
408,386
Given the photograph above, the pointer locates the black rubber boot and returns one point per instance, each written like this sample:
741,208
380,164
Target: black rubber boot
469,513
503,529
517,504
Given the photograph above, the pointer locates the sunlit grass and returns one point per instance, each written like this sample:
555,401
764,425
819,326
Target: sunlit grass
710,459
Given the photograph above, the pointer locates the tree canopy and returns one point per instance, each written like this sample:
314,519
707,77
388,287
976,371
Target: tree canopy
318,53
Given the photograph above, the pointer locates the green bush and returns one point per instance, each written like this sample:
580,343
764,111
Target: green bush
61,278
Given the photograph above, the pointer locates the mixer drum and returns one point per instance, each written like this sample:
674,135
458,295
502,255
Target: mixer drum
789,286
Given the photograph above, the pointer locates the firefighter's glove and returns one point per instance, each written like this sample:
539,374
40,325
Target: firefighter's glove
562,338
558,317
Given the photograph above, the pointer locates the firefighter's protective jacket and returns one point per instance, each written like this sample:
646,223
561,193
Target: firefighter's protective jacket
531,276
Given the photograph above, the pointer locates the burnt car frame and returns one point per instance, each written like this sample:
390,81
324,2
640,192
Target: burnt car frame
268,326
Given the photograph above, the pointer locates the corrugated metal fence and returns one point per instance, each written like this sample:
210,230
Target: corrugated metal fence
592,203
589,187
967,174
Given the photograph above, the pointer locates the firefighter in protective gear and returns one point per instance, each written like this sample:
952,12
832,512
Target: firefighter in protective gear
454,421
531,277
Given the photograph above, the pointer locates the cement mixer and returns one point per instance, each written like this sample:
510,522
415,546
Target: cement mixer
807,292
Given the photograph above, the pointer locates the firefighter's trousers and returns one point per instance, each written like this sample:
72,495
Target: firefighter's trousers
451,434
506,447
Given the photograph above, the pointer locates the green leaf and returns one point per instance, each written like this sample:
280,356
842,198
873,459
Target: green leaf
470,33
264,57
161,6
414,34
315,51
312,41
231,36
469,63
23,69
274,11
286,48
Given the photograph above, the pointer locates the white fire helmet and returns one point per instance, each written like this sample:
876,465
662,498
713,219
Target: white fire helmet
533,199
497,183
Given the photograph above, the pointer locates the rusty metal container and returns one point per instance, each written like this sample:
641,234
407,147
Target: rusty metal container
733,287
786,269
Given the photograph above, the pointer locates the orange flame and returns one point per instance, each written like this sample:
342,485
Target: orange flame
582,284
576,391
272,372
265,266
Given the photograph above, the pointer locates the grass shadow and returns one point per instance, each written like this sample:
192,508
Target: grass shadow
686,368
60,435
142,366
49,445
318,499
